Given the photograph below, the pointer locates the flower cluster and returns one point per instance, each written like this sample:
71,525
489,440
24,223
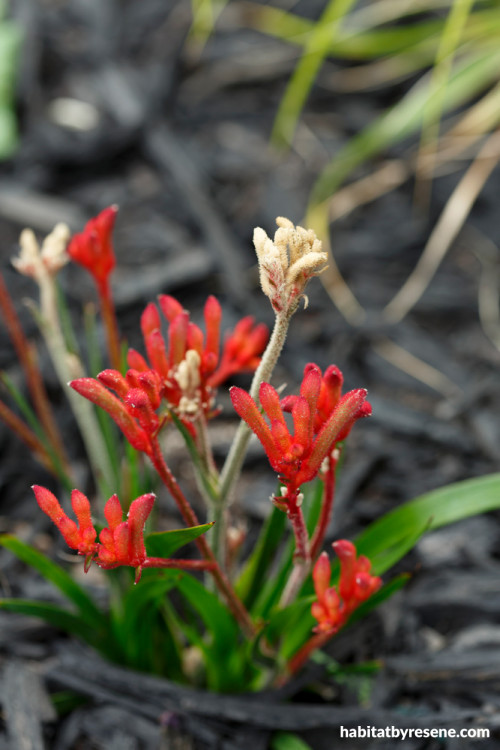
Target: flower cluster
321,418
133,408
334,605
184,375
93,248
120,542
190,367
287,263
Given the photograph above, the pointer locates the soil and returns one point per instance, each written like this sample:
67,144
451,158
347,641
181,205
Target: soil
179,139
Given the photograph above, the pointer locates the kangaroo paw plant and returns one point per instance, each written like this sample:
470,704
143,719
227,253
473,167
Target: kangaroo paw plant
220,619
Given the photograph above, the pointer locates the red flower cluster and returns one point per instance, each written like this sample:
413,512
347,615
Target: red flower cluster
93,247
121,543
334,606
321,418
190,368
133,408
185,375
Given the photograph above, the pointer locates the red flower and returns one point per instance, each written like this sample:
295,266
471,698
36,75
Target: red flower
93,248
133,408
190,366
320,420
79,537
122,542
333,605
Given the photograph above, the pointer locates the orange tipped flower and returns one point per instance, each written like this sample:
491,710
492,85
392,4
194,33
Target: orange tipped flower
320,420
120,542
189,363
93,247
79,537
334,605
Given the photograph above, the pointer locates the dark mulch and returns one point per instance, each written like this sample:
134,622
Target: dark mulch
181,144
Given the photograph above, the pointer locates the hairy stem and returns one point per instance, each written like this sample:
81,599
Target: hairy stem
68,367
326,506
110,324
189,516
236,455
302,555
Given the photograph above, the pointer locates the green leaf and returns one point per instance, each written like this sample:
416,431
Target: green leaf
223,657
259,563
288,741
89,613
141,628
166,543
469,77
52,614
433,510
315,50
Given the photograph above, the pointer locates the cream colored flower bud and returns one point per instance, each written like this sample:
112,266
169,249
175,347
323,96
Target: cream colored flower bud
52,257
287,263
188,372
54,253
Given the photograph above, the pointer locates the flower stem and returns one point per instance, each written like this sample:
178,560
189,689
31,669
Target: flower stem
17,426
326,506
302,555
68,367
234,461
110,324
189,516
299,659
27,356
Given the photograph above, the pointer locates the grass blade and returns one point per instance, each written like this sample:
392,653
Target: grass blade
315,50
89,612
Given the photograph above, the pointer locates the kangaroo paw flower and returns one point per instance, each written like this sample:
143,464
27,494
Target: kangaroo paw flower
80,537
335,604
321,418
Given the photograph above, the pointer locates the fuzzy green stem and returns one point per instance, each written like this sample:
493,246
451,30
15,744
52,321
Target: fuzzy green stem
68,367
236,455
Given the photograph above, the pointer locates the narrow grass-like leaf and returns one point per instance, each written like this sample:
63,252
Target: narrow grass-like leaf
222,653
52,614
35,424
89,612
258,566
166,543
469,77
136,627
315,50
434,509
448,44
288,741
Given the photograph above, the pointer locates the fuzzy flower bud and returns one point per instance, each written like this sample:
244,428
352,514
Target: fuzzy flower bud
34,262
287,263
